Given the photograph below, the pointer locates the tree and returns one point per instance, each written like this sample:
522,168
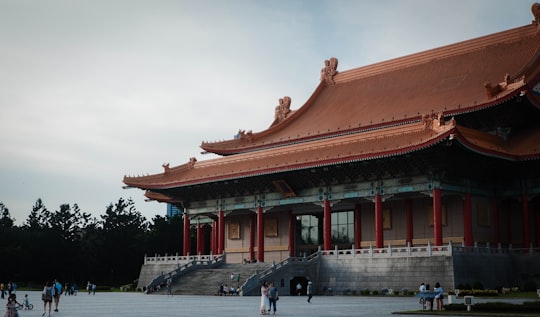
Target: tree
124,238
165,235
6,221
38,218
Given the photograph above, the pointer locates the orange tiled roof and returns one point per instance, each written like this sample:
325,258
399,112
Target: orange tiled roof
346,148
448,79
523,147
379,143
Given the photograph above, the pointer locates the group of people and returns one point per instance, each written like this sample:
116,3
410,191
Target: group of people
9,289
51,292
225,290
269,298
429,297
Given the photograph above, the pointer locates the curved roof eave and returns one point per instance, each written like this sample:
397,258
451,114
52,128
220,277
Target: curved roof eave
352,151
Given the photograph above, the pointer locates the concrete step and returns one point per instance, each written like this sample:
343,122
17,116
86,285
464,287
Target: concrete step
208,281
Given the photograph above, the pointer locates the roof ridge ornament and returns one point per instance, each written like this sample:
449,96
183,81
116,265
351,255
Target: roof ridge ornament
282,110
506,84
436,122
329,71
535,9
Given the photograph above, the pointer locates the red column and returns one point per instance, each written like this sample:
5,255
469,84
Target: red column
200,237
357,227
221,233
496,221
213,238
509,222
437,217
260,234
252,227
409,220
292,220
537,224
379,231
467,221
187,236
327,224
525,220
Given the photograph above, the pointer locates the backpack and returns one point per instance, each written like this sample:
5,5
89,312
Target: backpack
57,290
48,294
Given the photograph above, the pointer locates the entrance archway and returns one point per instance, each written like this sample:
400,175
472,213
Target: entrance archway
302,280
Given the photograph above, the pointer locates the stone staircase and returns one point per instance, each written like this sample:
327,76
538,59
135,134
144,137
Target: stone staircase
207,281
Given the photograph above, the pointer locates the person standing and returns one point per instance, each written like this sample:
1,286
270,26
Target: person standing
438,296
57,292
309,291
264,298
11,306
47,297
299,288
169,286
272,297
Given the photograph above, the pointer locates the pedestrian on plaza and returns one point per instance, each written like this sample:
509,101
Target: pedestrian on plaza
309,291
47,297
299,288
273,297
11,306
169,286
2,290
57,292
438,296
264,299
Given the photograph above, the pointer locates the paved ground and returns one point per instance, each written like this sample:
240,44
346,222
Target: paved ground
140,305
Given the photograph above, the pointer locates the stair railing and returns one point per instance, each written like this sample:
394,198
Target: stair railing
253,283
196,263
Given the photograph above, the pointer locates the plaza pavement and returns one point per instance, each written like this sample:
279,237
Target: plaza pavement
141,305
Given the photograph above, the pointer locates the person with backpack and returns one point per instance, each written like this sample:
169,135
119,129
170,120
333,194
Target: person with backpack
57,290
47,297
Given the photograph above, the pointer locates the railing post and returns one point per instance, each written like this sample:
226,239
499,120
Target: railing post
353,250
336,250
371,250
429,248
450,248
389,249
409,248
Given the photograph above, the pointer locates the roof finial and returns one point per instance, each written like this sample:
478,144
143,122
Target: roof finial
535,9
283,109
329,70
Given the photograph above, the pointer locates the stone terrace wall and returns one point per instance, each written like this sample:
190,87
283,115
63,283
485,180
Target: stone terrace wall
396,273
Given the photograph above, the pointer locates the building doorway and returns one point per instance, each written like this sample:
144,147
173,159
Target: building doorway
293,285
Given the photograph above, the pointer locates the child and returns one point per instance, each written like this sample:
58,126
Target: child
11,306
26,302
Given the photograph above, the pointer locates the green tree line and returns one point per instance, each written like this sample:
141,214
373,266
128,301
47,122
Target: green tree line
75,247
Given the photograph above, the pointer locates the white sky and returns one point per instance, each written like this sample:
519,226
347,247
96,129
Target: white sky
93,90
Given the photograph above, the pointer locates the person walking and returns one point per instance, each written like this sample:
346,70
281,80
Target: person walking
309,291
57,290
273,297
47,297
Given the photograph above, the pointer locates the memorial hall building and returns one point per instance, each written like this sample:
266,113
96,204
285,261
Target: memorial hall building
440,148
